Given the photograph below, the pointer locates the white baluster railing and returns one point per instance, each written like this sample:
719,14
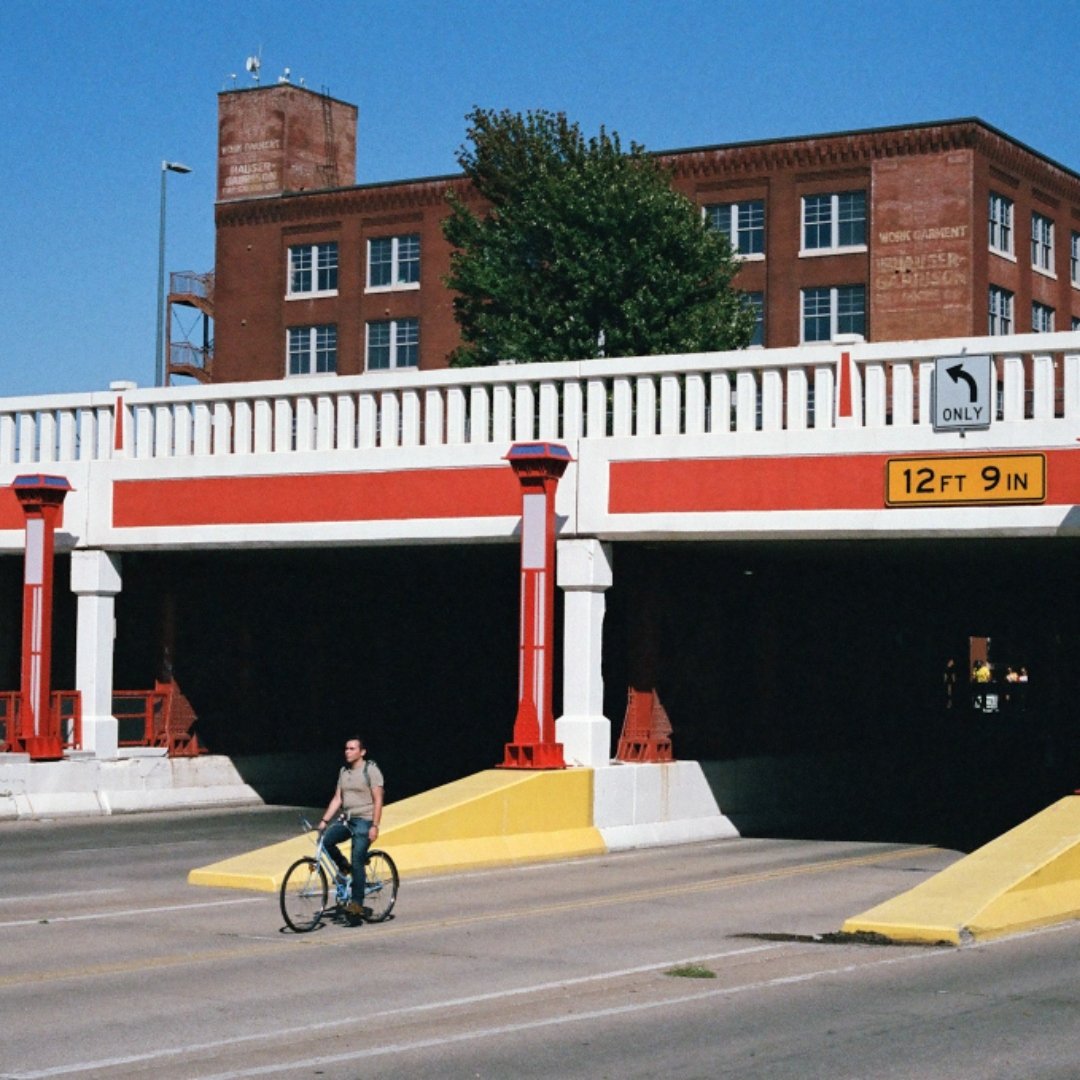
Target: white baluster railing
762,392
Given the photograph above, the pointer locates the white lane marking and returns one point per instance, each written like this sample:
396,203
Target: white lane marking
596,1014
65,895
350,1021
420,1044
128,911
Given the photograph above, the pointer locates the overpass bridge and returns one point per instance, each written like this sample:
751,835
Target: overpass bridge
783,442
814,444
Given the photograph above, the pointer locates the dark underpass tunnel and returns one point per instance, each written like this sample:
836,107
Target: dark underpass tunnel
284,654
806,676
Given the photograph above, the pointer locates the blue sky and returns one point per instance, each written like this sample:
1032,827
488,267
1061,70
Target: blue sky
96,94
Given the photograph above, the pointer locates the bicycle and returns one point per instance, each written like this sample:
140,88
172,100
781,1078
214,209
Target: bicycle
306,892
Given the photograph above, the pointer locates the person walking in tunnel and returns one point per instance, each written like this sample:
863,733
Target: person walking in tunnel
950,682
354,813
980,676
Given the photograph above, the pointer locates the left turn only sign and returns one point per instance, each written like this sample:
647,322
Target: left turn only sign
963,393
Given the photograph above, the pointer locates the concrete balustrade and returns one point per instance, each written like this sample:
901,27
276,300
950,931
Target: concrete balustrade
787,390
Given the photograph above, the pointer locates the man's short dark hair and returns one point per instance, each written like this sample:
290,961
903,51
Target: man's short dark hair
356,739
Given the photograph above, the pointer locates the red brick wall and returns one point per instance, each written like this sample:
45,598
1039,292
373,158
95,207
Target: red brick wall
927,266
283,138
922,235
252,313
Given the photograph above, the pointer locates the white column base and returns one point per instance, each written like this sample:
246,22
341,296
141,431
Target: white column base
645,805
586,740
584,573
100,735
95,580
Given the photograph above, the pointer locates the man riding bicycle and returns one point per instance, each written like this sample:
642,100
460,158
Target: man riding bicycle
354,812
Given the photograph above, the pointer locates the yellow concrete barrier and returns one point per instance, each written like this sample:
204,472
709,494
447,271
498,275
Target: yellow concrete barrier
493,818
1028,877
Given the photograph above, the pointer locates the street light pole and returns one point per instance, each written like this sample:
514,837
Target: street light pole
159,351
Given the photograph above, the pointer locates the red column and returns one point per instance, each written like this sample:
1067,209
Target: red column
538,467
41,497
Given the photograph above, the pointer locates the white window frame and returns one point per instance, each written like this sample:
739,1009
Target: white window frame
740,224
1000,312
1042,318
311,349
397,330
400,258
755,299
834,297
1074,259
834,246
1001,231
314,253
1042,244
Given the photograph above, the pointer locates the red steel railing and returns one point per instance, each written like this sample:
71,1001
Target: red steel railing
66,707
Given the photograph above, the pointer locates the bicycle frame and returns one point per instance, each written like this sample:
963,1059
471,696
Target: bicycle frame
342,886
313,887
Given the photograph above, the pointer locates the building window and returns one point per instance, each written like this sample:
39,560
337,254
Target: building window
1042,318
1076,322
313,269
393,343
394,262
1042,243
833,310
1074,259
756,302
1001,224
1001,311
834,222
743,223
312,350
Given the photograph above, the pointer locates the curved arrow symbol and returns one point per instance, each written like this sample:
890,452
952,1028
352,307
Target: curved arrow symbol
956,373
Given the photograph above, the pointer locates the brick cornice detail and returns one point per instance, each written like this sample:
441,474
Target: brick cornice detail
863,148
342,202
823,153
1021,162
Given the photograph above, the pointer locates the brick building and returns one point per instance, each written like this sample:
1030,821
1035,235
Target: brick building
934,230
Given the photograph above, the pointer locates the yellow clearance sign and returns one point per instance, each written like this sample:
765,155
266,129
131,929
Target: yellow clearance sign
967,480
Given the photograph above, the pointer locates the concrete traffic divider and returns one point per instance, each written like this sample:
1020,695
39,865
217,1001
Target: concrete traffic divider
1026,878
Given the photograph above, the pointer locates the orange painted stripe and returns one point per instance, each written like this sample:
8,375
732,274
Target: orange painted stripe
1063,477
844,406
368,496
11,515
842,482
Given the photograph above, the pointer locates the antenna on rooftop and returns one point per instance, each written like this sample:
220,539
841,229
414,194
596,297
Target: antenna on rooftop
253,63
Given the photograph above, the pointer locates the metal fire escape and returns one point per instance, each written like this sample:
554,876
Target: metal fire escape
189,326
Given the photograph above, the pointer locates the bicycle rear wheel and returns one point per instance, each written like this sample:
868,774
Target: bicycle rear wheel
303,895
380,886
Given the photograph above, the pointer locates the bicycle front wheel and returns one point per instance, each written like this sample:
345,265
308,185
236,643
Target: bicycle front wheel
303,895
380,886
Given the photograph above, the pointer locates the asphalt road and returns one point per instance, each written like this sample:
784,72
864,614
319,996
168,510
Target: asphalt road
112,966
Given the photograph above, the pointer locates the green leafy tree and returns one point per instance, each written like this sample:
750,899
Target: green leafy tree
581,249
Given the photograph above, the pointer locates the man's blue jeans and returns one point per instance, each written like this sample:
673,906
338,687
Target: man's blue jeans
356,828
